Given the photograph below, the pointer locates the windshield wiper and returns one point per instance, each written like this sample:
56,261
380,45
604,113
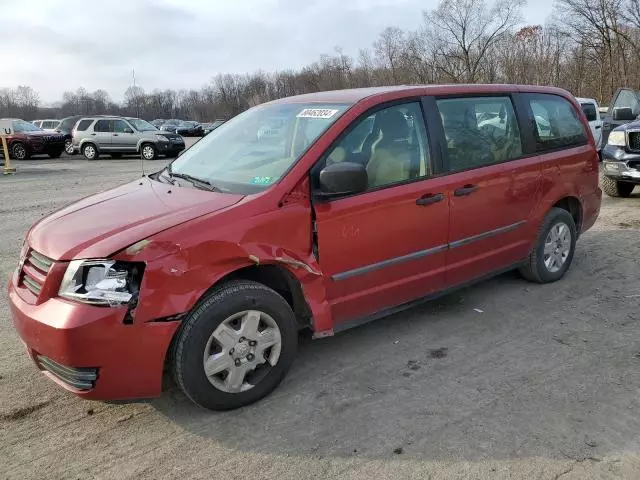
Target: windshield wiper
197,182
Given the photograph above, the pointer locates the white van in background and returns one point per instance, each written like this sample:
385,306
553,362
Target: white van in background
592,112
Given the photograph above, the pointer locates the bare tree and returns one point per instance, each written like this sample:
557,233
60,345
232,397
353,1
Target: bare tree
465,30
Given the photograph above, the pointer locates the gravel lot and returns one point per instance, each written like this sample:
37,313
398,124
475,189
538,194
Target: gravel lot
542,382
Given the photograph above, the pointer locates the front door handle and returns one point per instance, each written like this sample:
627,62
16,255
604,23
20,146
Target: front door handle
115,134
466,190
93,134
598,127
430,198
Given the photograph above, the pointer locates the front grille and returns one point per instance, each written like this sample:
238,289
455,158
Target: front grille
34,271
634,141
53,138
634,164
80,378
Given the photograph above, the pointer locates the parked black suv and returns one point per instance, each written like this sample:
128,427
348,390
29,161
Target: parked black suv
65,128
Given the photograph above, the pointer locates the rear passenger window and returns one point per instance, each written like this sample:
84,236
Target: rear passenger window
102,126
83,125
555,122
479,131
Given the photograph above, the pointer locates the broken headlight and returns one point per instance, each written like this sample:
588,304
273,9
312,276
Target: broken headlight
101,282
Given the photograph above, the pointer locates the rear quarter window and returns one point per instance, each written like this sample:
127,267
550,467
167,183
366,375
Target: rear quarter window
102,126
83,125
555,122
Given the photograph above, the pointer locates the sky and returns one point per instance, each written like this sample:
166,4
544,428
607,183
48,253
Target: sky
55,46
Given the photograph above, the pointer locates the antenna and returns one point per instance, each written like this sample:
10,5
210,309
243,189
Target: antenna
135,99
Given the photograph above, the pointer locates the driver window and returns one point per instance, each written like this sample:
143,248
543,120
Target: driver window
391,144
627,99
120,126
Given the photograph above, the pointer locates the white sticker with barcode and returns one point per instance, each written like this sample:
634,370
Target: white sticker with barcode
317,113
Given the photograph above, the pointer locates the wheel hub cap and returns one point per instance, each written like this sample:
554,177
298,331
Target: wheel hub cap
557,247
241,351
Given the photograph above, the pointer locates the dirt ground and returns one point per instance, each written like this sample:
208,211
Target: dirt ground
541,382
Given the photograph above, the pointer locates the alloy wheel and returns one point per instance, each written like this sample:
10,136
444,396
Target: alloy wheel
19,152
148,152
90,152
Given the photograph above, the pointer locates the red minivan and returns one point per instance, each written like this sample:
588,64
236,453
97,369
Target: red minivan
320,212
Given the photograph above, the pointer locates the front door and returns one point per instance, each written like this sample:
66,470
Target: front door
124,140
385,246
491,190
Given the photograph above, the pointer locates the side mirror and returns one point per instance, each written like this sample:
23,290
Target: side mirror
342,178
623,114
128,130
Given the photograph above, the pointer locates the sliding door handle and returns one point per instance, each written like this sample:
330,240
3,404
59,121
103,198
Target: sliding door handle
429,198
466,190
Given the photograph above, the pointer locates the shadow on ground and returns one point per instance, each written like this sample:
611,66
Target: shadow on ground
500,370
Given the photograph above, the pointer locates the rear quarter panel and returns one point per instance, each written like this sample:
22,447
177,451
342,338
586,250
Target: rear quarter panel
568,173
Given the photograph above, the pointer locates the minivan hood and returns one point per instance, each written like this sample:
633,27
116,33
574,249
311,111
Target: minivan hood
103,224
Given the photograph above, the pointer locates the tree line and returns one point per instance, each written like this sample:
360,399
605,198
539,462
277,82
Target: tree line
589,47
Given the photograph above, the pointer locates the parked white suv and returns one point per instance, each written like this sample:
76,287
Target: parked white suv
47,125
592,112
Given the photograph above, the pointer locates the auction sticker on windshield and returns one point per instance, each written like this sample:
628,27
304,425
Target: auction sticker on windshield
261,180
317,113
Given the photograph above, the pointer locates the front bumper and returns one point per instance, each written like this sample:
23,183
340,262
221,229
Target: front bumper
621,165
170,146
89,350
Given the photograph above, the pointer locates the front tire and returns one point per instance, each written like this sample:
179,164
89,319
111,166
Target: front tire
236,346
19,151
615,188
553,252
55,154
148,152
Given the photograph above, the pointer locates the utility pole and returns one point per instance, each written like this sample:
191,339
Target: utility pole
135,93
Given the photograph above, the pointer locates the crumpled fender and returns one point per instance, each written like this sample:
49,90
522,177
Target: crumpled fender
175,277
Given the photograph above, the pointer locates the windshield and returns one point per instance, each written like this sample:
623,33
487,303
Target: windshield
142,125
254,149
22,126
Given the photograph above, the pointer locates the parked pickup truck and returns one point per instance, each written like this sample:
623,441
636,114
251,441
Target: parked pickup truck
623,108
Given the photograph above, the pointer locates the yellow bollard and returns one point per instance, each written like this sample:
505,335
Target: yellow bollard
6,128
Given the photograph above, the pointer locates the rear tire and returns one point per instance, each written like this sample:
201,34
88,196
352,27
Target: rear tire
615,188
193,346
90,151
553,252
68,147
